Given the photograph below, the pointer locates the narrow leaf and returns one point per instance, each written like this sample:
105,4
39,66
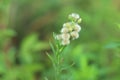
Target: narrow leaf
51,59
50,56
53,49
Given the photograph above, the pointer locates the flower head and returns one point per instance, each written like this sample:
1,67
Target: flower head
74,16
74,35
65,42
77,28
68,25
70,30
65,36
64,30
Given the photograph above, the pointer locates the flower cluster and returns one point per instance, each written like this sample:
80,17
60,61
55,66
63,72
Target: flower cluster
70,30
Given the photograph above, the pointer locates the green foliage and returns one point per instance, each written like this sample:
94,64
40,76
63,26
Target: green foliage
30,47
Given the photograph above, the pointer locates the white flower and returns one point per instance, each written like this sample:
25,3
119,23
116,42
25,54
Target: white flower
77,28
74,35
64,30
68,25
74,16
70,30
65,36
65,42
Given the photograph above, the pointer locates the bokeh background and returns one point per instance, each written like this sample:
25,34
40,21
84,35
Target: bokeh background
26,27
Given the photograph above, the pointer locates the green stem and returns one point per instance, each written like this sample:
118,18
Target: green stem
58,65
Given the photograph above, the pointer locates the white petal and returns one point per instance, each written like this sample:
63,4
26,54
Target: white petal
65,42
65,36
77,28
64,30
74,35
68,24
74,16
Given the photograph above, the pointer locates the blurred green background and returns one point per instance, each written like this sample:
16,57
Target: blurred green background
26,27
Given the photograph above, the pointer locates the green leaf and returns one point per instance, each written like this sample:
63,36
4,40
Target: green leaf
52,47
50,57
27,47
53,62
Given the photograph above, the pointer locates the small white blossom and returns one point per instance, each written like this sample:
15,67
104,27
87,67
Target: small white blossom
74,16
77,28
65,42
74,35
64,30
68,25
65,36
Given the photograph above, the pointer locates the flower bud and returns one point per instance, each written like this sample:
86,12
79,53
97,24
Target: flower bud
79,20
